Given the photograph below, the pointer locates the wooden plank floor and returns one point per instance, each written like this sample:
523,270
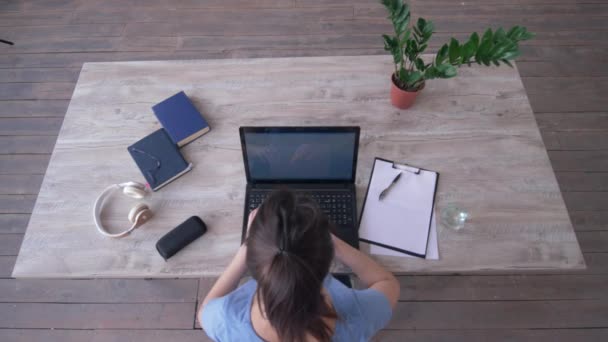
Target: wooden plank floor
564,70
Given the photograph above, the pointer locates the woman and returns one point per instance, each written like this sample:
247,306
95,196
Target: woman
292,297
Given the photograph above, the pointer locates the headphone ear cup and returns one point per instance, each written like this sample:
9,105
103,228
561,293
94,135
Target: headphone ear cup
140,212
135,190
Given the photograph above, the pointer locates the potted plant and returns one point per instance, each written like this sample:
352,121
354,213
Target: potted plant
408,43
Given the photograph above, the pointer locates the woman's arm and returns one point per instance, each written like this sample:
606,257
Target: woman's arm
230,278
370,272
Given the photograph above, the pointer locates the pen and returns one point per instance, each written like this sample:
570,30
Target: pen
385,191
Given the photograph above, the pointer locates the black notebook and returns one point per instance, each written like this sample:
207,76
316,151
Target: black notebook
159,159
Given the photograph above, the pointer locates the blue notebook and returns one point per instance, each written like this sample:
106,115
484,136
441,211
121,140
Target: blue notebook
180,118
159,159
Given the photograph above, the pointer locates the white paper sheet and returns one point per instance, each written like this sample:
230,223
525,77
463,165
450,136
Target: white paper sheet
432,248
402,219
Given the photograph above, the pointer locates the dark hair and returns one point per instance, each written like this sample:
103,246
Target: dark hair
289,254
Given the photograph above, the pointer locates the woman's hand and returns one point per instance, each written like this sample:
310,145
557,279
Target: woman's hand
338,246
250,220
369,271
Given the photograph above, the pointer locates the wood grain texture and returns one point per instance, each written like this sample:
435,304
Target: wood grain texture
593,241
585,161
597,263
448,335
582,181
39,75
106,335
589,220
502,288
11,19
580,141
6,266
35,108
13,223
30,126
500,315
456,128
99,290
573,122
20,184
553,94
23,163
9,244
97,316
28,33
501,13
585,200
17,204
36,91
27,144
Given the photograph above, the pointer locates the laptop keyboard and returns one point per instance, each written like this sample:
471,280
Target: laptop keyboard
336,205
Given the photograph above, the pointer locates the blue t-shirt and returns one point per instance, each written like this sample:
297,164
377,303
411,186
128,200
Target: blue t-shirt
361,313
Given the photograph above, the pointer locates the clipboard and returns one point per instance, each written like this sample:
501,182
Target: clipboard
401,221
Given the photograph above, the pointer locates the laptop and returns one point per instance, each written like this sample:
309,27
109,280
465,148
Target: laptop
320,162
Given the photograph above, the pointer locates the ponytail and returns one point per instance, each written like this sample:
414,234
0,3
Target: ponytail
292,300
289,252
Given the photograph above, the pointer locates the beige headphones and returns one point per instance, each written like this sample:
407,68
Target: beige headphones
138,215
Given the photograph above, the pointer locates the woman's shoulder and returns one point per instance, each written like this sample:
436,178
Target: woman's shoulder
229,311
363,312
235,304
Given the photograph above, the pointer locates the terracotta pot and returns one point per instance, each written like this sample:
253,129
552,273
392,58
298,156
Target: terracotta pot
400,98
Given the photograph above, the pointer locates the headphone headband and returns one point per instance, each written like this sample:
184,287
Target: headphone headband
132,189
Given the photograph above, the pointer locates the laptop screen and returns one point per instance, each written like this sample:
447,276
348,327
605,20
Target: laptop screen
300,154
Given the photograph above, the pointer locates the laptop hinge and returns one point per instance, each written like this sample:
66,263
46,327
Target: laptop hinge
299,186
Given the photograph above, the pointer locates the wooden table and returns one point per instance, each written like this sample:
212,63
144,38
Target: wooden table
477,130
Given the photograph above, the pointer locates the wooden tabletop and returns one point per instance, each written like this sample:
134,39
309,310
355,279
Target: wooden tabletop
477,130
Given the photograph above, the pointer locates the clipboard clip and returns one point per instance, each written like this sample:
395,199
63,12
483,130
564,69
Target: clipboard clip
407,168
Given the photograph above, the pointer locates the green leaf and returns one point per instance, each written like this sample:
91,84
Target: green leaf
413,77
388,42
429,28
474,39
420,64
513,33
421,24
441,54
402,19
391,45
402,76
526,35
499,34
413,46
497,50
424,30
430,73
399,11
487,35
440,71
417,32
454,51
446,70
467,51
405,36
402,25
511,55
483,50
